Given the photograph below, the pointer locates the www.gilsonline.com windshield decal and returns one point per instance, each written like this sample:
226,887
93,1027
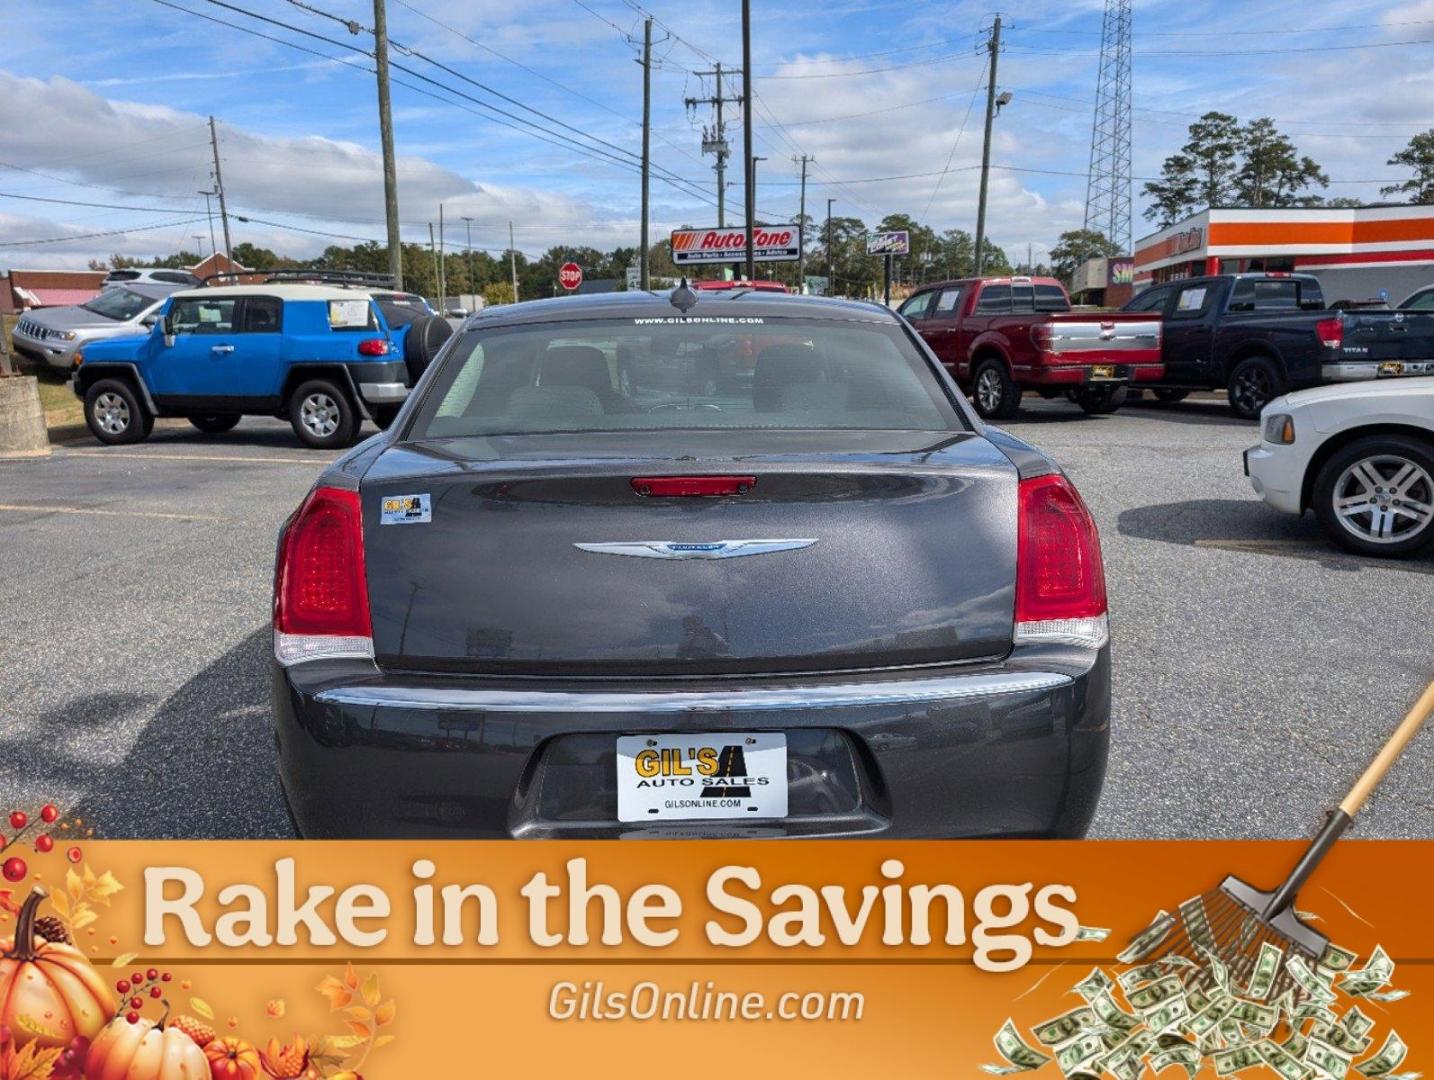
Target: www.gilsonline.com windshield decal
744,320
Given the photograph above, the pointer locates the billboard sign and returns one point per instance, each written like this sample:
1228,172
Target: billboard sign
770,243
896,242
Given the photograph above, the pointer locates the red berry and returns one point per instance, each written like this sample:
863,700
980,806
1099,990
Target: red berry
155,991
132,1017
48,813
18,819
74,854
44,844
14,869
2,843
165,977
137,978
152,974
136,1003
122,986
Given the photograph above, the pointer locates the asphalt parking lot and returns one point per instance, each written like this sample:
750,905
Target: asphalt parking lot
1257,668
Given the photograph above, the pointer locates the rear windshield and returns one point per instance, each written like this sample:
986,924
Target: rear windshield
119,304
680,373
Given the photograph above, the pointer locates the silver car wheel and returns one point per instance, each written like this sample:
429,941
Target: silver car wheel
111,413
988,390
320,415
1384,499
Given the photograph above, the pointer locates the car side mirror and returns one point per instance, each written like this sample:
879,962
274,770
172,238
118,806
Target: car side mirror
149,321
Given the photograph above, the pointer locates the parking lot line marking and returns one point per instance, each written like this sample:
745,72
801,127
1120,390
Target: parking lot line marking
196,457
20,508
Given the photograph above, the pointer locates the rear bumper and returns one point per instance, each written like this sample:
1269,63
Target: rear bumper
1357,370
1011,749
1065,375
383,393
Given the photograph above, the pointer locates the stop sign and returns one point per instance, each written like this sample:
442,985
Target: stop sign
570,276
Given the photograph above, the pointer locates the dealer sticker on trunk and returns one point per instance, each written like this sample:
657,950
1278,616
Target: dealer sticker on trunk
405,510
728,775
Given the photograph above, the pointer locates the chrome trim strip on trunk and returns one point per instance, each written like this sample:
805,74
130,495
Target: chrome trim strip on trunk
847,695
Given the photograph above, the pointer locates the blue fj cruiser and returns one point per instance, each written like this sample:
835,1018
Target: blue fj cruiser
322,355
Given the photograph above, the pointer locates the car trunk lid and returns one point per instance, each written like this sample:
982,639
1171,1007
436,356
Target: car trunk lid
535,554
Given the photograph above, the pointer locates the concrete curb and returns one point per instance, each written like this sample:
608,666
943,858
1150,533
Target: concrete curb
22,420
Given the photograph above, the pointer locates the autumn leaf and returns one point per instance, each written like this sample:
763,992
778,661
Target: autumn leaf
338,994
384,1014
33,1063
363,1031
61,903
74,885
276,1008
102,888
335,1043
84,915
351,979
359,1013
371,993
7,902
123,960
202,1007
383,1040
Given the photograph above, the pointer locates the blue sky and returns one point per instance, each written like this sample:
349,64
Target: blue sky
105,101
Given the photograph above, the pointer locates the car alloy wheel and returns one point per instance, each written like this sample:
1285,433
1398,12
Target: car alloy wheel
320,415
1251,390
111,413
989,390
1384,499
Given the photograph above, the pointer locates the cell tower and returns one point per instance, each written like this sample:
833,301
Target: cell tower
1107,193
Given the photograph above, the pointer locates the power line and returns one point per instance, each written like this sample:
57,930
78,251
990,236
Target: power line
96,235
1224,53
867,71
980,78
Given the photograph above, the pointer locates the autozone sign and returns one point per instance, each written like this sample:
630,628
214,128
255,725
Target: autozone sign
770,243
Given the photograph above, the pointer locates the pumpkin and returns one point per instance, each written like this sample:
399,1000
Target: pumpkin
233,1059
144,1050
49,993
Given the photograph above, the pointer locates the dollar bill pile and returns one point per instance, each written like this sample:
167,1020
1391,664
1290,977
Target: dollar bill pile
1193,1012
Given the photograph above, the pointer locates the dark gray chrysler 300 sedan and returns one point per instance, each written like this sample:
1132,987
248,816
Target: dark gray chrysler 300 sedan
740,564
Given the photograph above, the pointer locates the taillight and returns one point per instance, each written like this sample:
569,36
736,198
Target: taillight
320,588
1042,335
373,347
1060,581
1331,332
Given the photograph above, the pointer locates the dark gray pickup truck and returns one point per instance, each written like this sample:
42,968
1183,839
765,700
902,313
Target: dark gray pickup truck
1257,336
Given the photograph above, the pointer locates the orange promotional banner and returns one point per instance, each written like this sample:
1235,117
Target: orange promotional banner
399,959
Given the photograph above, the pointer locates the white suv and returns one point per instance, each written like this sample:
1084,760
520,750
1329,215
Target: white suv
150,276
1361,455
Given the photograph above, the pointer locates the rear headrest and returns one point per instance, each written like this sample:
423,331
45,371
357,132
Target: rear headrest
575,365
781,366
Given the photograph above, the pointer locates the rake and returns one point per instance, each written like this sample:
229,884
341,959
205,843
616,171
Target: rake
1235,920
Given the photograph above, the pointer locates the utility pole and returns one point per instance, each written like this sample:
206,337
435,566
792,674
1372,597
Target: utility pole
714,139
802,228
513,261
385,130
219,188
433,250
442,269
993,46
468,228
209,213
750,172
646,146
831,281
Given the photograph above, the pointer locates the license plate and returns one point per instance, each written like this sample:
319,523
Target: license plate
705,776
1103,371
1391,367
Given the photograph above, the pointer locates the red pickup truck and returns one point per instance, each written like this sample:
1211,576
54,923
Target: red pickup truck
1001,336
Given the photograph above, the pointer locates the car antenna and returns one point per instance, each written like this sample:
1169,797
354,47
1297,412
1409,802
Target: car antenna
682,297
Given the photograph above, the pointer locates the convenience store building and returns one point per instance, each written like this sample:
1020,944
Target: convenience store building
1358,253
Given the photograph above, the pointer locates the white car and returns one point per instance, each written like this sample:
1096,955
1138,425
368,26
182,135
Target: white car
150,275
1360,455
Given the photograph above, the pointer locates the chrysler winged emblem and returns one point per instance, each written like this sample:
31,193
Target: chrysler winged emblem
677,549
